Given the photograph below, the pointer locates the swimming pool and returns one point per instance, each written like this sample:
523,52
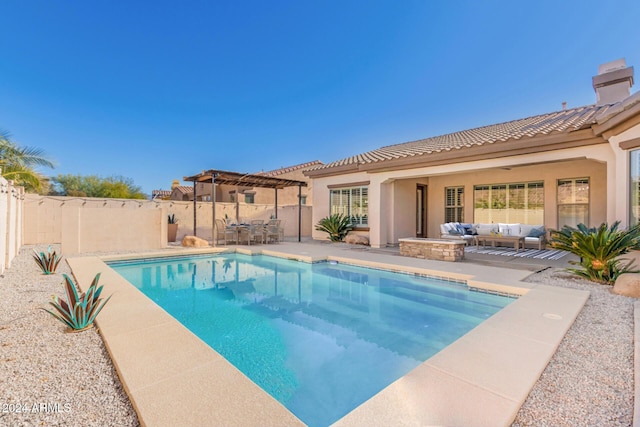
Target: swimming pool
320,338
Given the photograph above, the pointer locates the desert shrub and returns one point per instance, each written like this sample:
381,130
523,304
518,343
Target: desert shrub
599,249
336,225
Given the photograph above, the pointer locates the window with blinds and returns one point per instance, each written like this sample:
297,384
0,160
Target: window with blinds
454,204
573,202
509,203
352,202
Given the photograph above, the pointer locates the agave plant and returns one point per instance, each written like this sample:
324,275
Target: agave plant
80,309
599,250
47,261
172,219
337,225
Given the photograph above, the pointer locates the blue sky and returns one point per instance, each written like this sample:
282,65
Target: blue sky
158,90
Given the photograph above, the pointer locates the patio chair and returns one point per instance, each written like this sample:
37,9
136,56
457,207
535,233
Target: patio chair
281,231
272,231
227,233
253,232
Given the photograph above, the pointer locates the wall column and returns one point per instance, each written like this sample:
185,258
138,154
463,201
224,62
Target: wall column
380,216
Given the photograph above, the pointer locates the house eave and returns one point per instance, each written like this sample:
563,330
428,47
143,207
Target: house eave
527,145
619,123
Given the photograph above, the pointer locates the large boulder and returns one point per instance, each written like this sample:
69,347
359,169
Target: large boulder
357,239
627,284
194,242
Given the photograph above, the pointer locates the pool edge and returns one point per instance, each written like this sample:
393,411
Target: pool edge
430,394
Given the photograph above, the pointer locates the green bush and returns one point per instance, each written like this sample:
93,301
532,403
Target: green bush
599,250
336,225
47,261
79,310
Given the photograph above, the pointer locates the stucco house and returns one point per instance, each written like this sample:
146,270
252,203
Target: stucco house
577,165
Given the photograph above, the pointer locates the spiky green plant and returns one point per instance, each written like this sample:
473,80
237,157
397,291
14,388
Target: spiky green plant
336,225
80,309
47,261
172,219
599,250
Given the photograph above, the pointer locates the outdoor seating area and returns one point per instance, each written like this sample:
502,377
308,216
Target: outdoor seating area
516,235
249,231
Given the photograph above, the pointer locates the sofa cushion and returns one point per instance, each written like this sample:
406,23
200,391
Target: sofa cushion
486,229
509,229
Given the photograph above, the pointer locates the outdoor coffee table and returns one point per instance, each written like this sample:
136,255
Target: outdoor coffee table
517,241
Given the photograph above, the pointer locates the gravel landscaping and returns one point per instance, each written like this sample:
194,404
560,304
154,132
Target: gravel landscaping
49,377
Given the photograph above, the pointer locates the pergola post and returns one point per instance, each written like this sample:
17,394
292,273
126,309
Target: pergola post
195,208
213,210
276,190
299,212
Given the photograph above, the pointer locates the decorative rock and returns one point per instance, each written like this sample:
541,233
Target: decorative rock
194,242
627,284
357,239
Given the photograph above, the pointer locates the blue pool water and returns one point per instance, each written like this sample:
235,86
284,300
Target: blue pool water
320,338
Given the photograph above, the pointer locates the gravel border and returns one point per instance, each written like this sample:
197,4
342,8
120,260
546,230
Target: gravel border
53,378
68,379
589,380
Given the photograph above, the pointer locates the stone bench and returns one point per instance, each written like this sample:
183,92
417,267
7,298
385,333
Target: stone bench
435,249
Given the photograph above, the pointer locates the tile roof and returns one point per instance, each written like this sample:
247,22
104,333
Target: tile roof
184,189
290,168
564,121
161,193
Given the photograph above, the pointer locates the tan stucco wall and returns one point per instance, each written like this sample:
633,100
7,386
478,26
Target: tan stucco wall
620,176
135,224
288,195
321,198
405,205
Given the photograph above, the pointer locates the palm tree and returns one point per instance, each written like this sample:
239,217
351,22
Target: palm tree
19,163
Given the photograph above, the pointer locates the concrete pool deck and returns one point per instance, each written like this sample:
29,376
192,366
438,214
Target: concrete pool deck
173,378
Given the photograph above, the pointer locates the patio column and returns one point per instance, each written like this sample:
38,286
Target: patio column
380,213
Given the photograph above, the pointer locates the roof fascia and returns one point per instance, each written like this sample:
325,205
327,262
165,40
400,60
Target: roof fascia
336,170
526,145
618,123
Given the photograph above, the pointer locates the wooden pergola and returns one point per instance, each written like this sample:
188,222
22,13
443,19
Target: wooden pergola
238,179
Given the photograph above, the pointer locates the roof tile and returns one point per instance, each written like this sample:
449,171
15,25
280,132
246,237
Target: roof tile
556,122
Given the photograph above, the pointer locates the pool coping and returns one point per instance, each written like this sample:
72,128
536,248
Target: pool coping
174,378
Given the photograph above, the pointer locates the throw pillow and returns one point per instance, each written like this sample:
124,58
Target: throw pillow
455,232
536,232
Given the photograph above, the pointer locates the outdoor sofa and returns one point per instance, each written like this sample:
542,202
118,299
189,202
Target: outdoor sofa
534,235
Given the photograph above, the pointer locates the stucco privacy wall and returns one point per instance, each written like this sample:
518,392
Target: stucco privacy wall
11,204
83,224
11,200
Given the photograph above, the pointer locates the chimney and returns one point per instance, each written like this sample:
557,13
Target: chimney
613,82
